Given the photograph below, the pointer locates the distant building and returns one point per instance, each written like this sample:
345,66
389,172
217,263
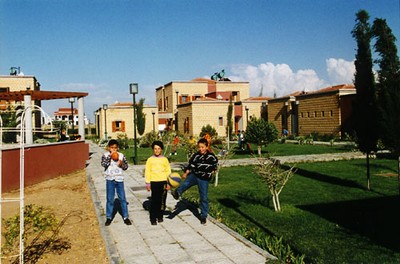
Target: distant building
118,118
16,82
187,106
325,111
64,114
176,98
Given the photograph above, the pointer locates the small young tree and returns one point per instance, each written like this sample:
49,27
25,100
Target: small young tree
275,178
141,117
224,154
208,129
260,132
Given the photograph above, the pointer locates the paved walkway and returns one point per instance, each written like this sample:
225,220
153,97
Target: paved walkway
179,239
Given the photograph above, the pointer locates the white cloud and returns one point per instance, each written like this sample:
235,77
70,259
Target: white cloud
282,80
340,71
279,79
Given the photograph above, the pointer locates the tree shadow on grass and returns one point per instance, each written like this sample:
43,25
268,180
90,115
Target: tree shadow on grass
326,178
229,203
375,218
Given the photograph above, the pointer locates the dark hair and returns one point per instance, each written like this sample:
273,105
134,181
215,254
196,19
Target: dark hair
203,141
157,143
113,142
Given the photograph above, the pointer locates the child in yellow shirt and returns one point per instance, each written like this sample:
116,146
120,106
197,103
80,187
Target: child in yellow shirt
156,174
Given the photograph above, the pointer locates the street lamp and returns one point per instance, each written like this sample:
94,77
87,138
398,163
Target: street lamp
72,101
134,89
154,122
105,107
247,116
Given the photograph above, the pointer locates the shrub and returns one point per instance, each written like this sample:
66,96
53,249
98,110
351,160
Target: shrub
122,139
208,129
148,139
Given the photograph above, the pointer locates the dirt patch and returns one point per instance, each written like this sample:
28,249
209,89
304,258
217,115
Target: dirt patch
70,199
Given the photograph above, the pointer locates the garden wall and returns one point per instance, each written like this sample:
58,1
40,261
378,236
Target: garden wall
42,162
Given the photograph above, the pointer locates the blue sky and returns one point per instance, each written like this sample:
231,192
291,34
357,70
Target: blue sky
100,47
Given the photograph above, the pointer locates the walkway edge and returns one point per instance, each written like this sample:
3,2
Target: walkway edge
111,248
244,240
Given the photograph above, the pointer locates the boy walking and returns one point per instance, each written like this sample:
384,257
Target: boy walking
115,164
199,172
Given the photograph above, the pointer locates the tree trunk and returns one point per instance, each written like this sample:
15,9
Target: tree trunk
398,172
216,178
274,199
368,174
277,202
259,151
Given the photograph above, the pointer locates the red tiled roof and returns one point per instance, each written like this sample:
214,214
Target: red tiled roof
335,88
203,80
258,98
324,90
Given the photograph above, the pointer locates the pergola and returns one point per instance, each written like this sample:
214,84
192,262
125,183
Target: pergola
28,95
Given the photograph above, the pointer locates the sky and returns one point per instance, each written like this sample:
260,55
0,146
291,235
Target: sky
101,46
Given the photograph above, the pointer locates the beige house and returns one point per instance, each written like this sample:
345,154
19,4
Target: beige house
187,106
325,111
16,83
118,118
184,105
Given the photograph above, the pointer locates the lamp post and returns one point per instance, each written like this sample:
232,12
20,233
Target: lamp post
154,121
134,89
72,101
105,107
247,116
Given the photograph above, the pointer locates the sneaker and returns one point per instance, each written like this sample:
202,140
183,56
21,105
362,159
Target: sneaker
175,194
127,221
203,220
153,222
160,220
108,222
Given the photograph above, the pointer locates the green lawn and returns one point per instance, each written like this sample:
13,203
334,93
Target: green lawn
275,149
327,214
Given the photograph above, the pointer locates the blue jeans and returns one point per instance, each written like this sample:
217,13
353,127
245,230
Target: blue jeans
111,188
202,185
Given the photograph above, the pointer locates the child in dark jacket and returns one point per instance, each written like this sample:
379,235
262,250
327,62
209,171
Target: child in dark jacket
199,172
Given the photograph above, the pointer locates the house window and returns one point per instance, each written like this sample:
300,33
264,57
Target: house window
186,125
166,103
184,98
220,121
323,113
159,105
308,114
331,113
315,114
118,126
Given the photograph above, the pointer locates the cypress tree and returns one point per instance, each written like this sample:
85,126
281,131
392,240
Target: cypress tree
365,110
141,117
388,87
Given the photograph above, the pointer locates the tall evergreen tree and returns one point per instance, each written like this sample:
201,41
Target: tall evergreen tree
229,115
365,110
141,117
388,87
